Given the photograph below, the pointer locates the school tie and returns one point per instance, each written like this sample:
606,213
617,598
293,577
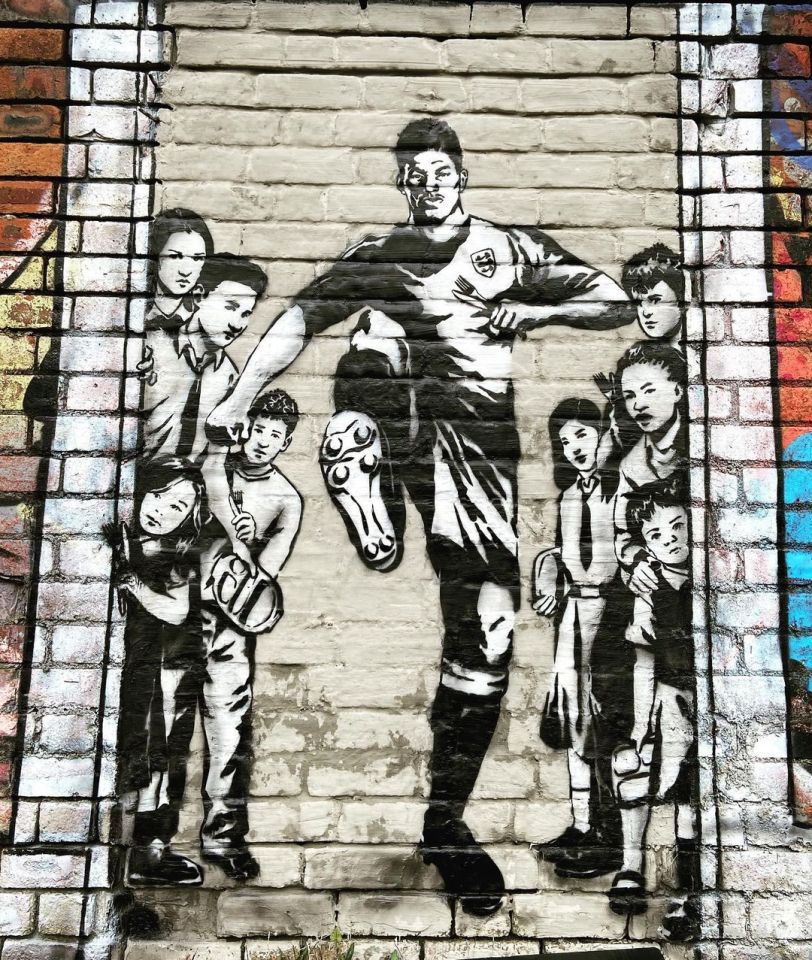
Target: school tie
586,488
191,410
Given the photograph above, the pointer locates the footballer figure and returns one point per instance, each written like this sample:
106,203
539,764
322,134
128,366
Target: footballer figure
424,404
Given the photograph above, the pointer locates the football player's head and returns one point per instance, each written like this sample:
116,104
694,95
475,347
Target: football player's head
653,278
273,418
229,288
430,171
652,377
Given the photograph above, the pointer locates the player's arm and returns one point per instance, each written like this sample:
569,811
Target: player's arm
330,299
553,287
279,545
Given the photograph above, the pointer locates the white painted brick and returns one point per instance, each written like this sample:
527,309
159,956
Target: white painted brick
743,173
756,404
25,823
717,19
102,123
747,248
738,363
16,914
760,484
399,915
733,442
104,46
740,209
115,85
752,525
96,314
64,822
41,870
747,610
733,60
761,567
724,487
750,323
60,914
762,652
89,475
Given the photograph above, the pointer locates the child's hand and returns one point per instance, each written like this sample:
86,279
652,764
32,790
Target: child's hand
546,605
130,583
643,580
146,367
245,527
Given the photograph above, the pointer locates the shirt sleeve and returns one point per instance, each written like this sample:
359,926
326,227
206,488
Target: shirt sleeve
351,283
546,273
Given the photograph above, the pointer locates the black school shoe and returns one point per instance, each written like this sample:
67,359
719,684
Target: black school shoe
567,843
236,863
158,866
467,871
596,854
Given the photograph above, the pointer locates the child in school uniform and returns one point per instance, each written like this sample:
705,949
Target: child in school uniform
256,516
658,762
571,584
155,576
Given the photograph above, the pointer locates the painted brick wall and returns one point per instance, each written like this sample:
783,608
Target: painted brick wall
277,126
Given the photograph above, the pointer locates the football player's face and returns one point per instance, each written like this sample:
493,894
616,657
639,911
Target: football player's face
432,186
180,262
658,311
579,441
666,535
224,313
651,396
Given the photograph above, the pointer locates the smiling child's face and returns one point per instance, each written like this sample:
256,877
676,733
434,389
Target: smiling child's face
658,311
666,535
268,438
180,262
163,511
650,395
224,313
579,442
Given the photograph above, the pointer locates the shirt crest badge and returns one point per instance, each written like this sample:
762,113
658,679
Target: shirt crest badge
484,262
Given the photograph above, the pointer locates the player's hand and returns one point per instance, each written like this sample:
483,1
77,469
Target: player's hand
643,581
545,605
245,527
146,367
227,424
507,317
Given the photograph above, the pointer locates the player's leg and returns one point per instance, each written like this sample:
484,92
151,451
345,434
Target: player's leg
479,618
227,702
367,438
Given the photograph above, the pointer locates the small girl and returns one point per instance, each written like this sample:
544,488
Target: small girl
570,584
156,579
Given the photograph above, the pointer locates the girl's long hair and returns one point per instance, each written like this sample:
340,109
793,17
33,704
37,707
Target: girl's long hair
586,412
156,476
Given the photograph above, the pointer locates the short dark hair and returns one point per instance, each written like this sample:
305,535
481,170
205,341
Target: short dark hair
654,264
276,405
169,222
229,266
427,133
657,354
658,494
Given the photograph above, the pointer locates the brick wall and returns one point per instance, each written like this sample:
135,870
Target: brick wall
276,127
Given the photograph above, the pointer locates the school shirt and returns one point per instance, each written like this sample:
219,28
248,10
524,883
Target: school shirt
189,383
599,551
645,463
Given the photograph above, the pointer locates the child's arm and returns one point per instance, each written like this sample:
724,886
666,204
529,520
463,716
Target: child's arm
171,607
639,634
218,494
285,528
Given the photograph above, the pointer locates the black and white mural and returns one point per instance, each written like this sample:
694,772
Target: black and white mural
423,411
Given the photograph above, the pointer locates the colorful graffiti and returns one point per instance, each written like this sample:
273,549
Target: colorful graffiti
33,84
788,212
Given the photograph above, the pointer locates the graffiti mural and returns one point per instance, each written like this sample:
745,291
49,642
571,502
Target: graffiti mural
789,172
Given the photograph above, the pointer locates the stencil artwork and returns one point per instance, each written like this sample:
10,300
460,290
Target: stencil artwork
424,404
621,700
213,525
